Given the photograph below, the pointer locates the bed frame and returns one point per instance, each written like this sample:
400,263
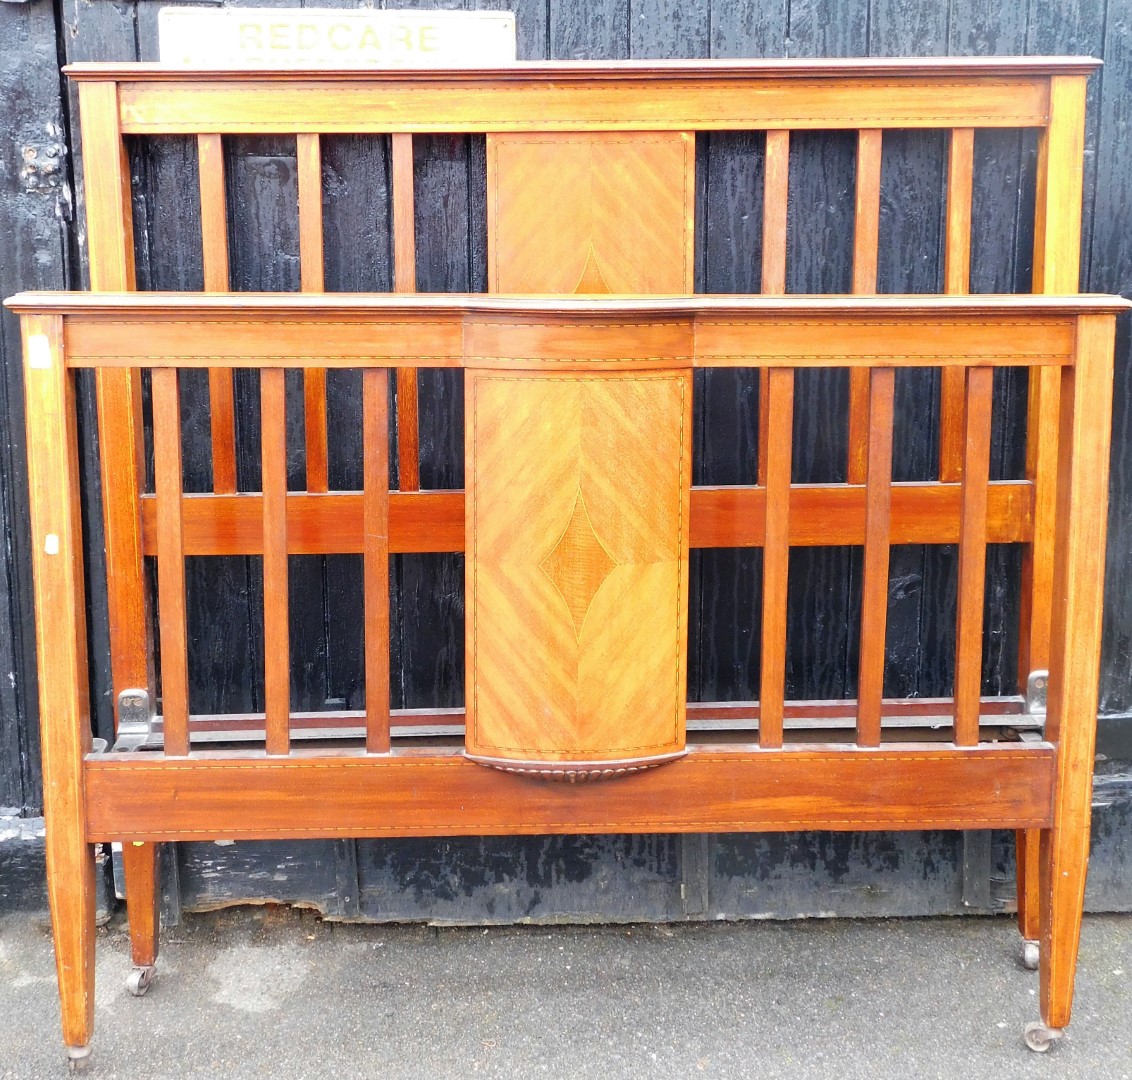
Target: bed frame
579,512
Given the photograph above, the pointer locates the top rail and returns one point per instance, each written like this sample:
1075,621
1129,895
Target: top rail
590,96
388,330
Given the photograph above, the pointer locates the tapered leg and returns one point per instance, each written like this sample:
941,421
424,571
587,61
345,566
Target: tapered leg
1086,401
142,905
70,894
61,651
1027,847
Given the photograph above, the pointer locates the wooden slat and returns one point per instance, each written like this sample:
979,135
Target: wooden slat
776,189
874,588
61,655
776,555
956,275
214,245
526,100
405,281
1078,589
866,236
110,239
433,521
171,609
438,792
973,556
276,635
375,514
308,153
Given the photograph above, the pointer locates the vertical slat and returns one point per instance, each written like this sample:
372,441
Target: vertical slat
276,636
973,555
874,588
1082,511
110,239
214,243
61,652
170,561
405,281
308,152
956,276
776,555
375,513
866,233
1057,253
776,185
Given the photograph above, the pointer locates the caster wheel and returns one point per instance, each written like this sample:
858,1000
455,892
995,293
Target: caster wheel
1040,1038
78,1058
1030,955
138,981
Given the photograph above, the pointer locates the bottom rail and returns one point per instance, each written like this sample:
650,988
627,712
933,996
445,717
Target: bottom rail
436,791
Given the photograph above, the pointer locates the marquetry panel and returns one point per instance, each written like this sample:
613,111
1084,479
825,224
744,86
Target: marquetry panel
577,572
600,212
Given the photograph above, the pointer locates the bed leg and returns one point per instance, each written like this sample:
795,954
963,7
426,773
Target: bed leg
143,908
70,894
1027,844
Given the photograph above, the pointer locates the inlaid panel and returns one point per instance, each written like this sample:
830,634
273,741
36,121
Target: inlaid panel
592,212
577,574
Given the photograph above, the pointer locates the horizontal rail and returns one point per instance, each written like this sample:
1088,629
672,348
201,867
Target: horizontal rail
436,791
821,515
210,331
555,97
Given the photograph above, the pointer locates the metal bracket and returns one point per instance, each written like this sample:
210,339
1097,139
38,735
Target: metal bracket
135,720
1037,686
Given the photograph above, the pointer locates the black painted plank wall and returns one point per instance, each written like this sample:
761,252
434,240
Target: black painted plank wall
600,877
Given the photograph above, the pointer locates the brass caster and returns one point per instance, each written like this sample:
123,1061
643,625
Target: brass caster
1040,1038
1030,955
137,982
78,1058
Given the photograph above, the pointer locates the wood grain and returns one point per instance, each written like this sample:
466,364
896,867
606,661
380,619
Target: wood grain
776,192
171,561
591,213
973,555
438,792
405,281
61,652
776,554
276,626
375,517
214,245
308,153
874,588
433,521
956,274
573,547
1078,594
525,99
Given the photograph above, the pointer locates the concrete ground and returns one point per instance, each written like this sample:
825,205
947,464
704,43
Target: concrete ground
272,991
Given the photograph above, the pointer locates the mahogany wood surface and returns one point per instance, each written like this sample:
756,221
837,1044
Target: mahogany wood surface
61,652
577,564
432,792
1078,589
579,504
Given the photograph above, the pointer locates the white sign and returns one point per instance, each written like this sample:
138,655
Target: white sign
322,38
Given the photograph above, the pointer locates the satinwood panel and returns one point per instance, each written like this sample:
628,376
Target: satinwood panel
593,212
577,565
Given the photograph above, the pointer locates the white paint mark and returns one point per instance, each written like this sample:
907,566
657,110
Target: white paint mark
39,351
51,543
